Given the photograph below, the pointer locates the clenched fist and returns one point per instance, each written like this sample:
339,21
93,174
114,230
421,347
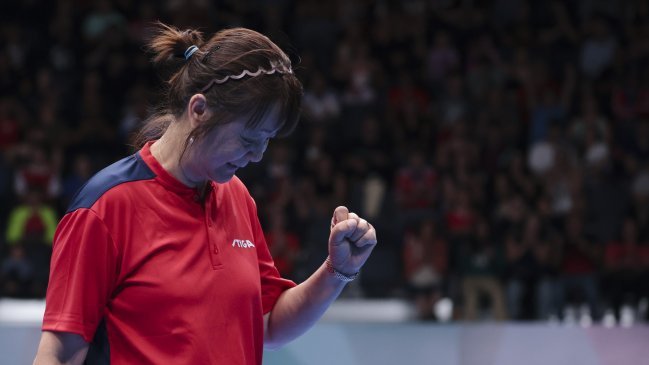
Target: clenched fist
351,241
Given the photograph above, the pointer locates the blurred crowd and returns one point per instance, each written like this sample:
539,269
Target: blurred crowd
501,147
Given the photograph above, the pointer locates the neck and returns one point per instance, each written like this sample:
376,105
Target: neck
168,149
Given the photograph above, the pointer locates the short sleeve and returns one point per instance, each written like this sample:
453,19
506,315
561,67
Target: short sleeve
82,274
272,284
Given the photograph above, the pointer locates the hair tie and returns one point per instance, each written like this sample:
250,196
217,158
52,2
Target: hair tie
190,51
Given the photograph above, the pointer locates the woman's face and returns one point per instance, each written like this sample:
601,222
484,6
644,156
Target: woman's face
228,148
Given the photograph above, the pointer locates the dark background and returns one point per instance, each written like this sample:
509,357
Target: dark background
501,148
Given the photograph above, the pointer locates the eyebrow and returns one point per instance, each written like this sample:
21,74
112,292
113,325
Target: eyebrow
265,131
271,131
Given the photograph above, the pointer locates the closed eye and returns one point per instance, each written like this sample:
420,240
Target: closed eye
247,142
259,141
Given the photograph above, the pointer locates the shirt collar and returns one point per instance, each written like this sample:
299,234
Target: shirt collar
162,175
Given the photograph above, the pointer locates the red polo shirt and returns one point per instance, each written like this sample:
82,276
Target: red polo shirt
152,275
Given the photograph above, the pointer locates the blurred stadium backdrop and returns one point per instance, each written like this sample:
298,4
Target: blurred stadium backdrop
500,147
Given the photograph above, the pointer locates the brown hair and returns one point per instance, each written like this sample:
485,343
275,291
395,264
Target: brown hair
227,53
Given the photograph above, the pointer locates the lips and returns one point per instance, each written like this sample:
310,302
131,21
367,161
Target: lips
233,166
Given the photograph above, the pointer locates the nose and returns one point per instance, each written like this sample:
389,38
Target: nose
257,152
255,156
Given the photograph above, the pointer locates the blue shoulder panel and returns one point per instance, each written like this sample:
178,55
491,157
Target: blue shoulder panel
128,169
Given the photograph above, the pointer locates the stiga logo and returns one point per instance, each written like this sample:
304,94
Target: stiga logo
242,244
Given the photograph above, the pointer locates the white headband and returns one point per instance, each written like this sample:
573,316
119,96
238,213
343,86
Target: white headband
275,69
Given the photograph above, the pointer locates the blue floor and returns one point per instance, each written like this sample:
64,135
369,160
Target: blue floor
423,343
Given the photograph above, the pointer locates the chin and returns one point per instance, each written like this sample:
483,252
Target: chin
222,178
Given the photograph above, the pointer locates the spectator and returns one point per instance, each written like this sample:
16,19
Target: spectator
481,269
635,144
437,103
643,276
16,274
629,98
10,127
622,266
443,58
369,168
32,222
30,232
531,270
640,202
461,218
452,106
425,263
549,102
321,103
81,171
360,89
577,282
598,48
590,125
415,183
39,173
6,188
101,19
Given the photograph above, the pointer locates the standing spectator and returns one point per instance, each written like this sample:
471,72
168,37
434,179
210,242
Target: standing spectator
10,126
80,172
590,125
549,102
415,186
531,269
30,232
360,90
598,49
321,103
443,58
7,195
369,169
622,266
101,19
640,201
39,173
461,217
452,106
629,97
606,195
643,275
577,282
16,273
425,263
481,268
408,112
32,221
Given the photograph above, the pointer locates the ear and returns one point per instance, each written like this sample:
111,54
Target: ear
198,110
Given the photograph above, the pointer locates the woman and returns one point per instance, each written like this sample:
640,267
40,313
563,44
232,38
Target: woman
160,258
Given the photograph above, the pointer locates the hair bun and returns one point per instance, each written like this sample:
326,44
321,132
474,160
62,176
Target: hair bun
170,44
